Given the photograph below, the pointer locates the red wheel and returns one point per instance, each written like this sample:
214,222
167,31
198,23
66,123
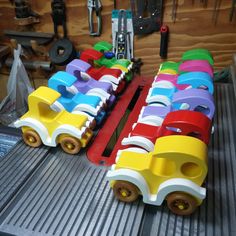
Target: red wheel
70,145
181,203
32,138
125,191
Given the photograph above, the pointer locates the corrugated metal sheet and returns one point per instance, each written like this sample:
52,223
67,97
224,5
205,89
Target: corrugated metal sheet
16,167
67,195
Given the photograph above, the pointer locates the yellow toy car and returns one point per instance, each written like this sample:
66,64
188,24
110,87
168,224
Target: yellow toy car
174,171
41,124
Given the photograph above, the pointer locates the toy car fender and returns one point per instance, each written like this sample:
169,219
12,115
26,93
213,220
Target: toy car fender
167,187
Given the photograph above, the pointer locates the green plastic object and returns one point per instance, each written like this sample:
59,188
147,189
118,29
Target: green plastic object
170,65
103,46
198,54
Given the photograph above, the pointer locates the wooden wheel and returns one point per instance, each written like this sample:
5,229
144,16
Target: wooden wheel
181,203
125,191
70,145
32,138
93,124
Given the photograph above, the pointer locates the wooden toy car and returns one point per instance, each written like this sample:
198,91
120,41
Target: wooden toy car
189,99
87,85
102,59
41,124
189,123
186,66
173,174
198,54
101,84
75,103
91,56
201,80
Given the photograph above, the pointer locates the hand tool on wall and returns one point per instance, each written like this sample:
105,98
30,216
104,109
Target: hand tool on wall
146,25
95,5
62,50
122,34
59,16
164,41
232,10
24,14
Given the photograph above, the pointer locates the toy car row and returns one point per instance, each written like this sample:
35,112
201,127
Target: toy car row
75,101
166,150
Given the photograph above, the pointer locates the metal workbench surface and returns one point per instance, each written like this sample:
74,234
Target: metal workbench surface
47,192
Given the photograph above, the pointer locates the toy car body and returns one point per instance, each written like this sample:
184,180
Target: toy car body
101,50
75,103
175,174
198,54
189,99
110,62
86,84
196,65
43,125
201,80
187,123
117,74
186,66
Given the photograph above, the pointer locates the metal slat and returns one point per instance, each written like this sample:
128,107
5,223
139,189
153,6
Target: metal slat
16,167
67,195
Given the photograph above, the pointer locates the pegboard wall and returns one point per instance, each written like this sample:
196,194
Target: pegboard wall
194,28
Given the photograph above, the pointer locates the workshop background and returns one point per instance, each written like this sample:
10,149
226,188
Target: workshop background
196,26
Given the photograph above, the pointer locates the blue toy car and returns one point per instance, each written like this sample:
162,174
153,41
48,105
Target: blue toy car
75,103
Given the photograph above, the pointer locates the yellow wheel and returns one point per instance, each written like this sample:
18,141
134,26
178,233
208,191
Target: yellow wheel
181,203
32,138
125,191
70,145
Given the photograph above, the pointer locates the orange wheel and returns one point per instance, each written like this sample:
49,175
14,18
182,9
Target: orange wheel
181,203
125,191
70,145
32,138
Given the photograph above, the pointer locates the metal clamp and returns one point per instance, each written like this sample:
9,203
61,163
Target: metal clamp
95,5
59,16
146,25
